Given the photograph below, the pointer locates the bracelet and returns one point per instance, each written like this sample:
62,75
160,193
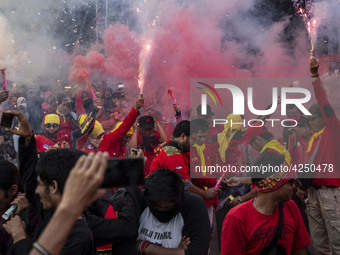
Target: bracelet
143,246
315,75
140,247
146,246
40,249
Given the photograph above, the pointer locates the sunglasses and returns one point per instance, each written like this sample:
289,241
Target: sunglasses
48,125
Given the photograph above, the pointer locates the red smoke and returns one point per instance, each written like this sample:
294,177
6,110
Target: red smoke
186,44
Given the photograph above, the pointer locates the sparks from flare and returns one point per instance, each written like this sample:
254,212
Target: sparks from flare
309,25
144,58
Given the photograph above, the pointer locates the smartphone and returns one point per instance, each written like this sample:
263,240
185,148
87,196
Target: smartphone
124,172
7,120
134,152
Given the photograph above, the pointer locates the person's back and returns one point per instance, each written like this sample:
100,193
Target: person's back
171,154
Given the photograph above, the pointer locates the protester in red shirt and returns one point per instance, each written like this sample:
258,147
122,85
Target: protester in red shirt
174,155
250,227
295,140
170,154
49,137
323,205
202,156
114,142
68,121
145,137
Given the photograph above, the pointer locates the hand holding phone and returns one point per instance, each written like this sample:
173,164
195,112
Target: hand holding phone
124,172
7,120
25,129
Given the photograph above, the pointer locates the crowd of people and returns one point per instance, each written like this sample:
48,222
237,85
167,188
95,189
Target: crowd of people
54,156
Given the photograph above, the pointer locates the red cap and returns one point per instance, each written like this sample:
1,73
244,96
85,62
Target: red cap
274,182
253,131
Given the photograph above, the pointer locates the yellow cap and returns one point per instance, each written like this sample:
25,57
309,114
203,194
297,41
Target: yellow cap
52,118
98,129
130,132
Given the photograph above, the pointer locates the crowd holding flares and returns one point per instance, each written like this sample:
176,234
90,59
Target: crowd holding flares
97,109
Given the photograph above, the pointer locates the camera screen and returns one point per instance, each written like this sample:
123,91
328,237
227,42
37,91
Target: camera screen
124,172
6,120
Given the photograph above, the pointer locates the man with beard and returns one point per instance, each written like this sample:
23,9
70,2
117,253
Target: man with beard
172,221
43,183
49,137
147,139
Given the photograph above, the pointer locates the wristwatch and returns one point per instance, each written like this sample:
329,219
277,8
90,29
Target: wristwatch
240,200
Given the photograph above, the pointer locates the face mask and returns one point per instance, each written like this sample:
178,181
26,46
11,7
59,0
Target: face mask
164,216
149,143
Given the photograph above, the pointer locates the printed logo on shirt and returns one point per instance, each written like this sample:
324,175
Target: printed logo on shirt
168,234
46,146
179,167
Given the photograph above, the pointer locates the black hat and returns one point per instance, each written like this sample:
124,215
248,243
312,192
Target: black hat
146,122
209,112
315,111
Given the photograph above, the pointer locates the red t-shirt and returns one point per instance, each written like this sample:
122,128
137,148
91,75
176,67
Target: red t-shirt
247,231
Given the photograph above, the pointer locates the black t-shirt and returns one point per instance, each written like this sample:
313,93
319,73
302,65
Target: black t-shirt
79,241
